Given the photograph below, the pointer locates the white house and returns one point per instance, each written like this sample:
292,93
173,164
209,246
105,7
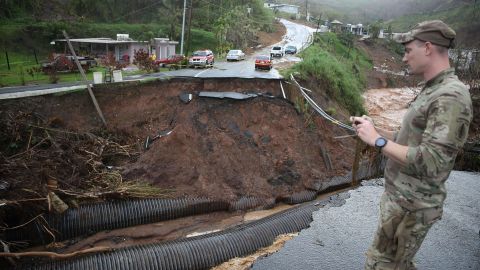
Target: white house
123,48
356,29
163,47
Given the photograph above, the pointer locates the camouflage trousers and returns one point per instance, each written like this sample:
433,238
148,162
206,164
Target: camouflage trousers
399,235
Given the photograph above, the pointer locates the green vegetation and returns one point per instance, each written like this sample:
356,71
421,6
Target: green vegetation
29,26
465,20
337,67
457,18
25,70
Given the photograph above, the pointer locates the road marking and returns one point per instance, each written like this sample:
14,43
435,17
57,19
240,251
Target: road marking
41,92
198,74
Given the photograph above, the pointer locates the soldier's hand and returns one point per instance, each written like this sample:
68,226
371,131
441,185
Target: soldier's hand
365,129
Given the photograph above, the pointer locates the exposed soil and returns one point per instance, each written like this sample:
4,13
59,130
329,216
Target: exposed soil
388,71
265,39
221,149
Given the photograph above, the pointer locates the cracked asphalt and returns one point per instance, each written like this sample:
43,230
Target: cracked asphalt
339,236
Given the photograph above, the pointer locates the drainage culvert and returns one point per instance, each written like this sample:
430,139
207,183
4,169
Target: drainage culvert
200,252
93,218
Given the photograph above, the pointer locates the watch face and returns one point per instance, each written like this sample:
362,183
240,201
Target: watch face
380,142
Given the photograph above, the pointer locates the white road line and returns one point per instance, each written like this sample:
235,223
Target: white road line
41,92
198,74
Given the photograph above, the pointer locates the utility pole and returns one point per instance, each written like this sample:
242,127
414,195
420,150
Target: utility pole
318,27
306,8
183,25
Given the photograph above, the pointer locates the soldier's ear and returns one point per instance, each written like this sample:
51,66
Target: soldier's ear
428,48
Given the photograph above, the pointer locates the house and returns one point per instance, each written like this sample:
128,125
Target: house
163,47
336,26
356,29
123,48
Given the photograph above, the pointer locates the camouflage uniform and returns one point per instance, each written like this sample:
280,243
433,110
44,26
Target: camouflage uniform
435,129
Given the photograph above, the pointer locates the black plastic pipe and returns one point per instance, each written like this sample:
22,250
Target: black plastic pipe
93,218
200,252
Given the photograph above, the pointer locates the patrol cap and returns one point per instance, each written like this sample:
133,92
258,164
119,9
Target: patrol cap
436,32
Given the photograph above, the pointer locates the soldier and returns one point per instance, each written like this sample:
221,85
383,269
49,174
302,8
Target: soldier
422,153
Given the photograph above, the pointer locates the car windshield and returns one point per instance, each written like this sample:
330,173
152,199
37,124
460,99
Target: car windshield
234,52
200,53
291,47
277,48
263,57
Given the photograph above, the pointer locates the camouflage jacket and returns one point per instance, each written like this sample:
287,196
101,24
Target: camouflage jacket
434,128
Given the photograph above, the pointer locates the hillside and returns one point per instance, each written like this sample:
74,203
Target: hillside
371,10
465,20
462,15
218,24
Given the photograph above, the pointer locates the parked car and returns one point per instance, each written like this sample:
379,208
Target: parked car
277,51
236,55
172,59
66,63
263,62
201,58
290,49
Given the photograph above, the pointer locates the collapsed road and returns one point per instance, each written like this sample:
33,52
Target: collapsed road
258,149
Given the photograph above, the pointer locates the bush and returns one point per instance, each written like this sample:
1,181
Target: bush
144,61
334,77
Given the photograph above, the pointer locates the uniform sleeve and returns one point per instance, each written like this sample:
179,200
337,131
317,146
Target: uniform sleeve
446,132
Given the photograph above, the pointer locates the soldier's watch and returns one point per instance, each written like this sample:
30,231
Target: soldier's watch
380,142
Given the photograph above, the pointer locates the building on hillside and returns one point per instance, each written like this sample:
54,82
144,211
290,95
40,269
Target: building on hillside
290,9
336,26
123,48
356,29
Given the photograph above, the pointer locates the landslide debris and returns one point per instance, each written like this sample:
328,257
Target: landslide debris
218,148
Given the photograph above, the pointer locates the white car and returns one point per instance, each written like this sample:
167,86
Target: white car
235,55
277,51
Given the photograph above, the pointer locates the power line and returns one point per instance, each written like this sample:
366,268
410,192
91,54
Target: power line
136,11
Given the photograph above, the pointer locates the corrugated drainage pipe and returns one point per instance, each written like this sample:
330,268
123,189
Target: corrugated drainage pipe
201,252
250,202
300,197
93,218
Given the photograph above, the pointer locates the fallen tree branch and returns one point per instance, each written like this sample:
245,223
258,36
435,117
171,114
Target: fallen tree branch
19,226
54,255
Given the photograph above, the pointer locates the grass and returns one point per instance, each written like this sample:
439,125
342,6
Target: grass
338,70
24,39
21,63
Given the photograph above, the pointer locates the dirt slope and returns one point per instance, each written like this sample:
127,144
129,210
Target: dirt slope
218,148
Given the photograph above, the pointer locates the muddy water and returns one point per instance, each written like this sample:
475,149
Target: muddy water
387,106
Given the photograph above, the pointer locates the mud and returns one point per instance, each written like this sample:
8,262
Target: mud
221,149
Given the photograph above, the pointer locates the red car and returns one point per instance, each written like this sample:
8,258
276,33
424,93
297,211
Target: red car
172,59
263,62
201,58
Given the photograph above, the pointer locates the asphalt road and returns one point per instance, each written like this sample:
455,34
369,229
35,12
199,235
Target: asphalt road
297,34
338,237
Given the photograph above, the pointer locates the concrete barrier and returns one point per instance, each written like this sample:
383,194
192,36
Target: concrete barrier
117,76
97,77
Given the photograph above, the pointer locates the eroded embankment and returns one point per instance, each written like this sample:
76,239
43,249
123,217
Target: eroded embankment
218,148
